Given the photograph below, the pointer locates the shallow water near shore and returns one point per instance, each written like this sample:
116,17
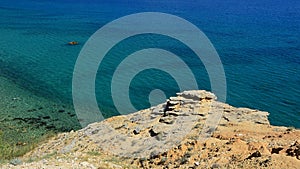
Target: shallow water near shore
258,43
19,106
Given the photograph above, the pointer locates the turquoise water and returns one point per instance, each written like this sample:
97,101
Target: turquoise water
258,43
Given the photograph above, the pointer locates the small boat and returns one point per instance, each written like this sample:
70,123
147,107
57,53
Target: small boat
73,43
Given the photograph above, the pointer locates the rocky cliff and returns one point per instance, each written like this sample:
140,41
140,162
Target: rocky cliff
191,130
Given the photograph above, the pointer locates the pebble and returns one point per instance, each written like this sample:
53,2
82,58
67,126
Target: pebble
136,131
15,162
215,165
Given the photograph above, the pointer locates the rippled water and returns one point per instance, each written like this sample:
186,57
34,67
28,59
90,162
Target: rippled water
258,42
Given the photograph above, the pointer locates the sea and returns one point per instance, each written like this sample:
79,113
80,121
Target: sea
258,43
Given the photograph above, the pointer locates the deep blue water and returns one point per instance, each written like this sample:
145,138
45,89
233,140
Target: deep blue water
258,42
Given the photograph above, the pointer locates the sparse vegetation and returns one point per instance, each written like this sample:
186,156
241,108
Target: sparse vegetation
94,153
16,140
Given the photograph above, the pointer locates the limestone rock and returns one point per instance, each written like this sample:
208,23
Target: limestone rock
188,131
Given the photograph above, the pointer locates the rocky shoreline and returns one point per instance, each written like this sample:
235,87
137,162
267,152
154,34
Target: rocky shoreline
191,130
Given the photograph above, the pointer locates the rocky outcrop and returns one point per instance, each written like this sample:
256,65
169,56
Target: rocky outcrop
191,130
